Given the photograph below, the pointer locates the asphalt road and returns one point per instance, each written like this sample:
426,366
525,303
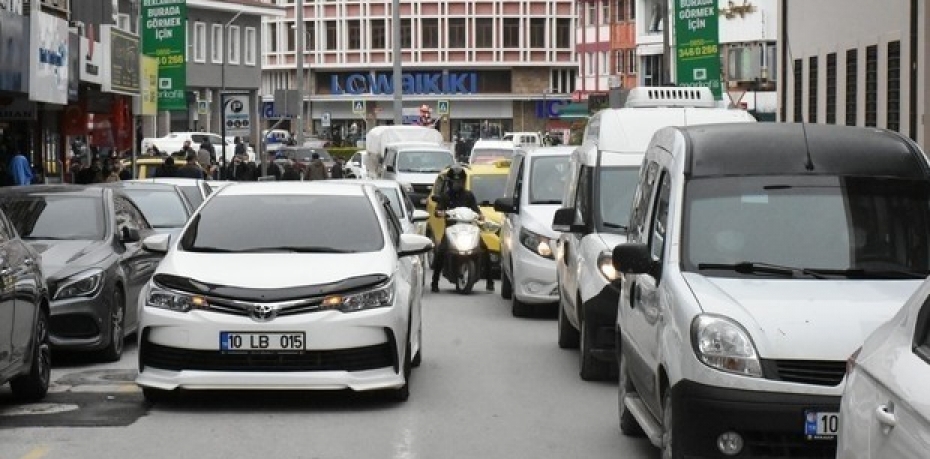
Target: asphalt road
490,386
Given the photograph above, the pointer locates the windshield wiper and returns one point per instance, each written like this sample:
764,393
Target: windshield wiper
615,225
861,273
553,201
753,267
48,238
208,249
294,249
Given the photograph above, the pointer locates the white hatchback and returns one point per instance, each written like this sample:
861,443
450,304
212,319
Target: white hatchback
885,410
283,285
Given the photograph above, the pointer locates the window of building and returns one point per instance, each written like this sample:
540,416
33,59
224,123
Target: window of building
378,34
484,33
589,63
871,86
354,38
590,16
457,33
831,88
537,33
406,33
852,86
429,30
200,42
656,22
563,33
605,12
511,33
621,10
812,89
123,22
894,86
620,61
798,71
652,70
309,36
234,44
272,38
332,36
216,43
291,39
631,62
604,63
251,46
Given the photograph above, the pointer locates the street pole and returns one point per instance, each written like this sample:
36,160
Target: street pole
398,81
223,90
300,71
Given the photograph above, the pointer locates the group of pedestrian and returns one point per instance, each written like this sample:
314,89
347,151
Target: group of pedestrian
109,169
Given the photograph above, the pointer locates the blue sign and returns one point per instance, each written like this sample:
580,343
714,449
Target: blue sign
412,83
268,110
549,108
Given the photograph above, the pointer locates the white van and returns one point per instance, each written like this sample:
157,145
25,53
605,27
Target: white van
489,151
524,139
596,211
760,257
416,165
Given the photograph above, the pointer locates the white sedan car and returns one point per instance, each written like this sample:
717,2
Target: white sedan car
885,410
283,285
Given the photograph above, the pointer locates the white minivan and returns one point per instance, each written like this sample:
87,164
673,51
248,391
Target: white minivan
416,166
601,182
534,192
760,257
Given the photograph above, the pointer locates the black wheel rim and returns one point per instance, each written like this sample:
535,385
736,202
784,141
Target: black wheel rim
116,323
44,352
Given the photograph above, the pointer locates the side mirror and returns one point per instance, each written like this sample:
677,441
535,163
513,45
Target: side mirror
632,258
419,216
129,235
506,205
413,244
389,168
564,221
157,243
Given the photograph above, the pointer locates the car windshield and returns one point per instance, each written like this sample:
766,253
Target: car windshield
394,199
489,155
487,188
423,161
162,208
866,226
547,179
617,186
285,223
56,216
192,193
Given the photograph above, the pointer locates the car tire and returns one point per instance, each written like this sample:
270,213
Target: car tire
116,322
591,368
33,386
568,336
629,426
506,286
153,395
669,447
401,394
418,359
519,308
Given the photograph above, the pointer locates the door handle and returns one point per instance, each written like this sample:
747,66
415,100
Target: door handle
885,416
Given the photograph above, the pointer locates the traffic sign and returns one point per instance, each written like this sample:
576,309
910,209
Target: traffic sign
358,107
442,107
326,119
203,107
236,114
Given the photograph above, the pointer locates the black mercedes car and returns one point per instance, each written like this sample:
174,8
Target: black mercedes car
89,239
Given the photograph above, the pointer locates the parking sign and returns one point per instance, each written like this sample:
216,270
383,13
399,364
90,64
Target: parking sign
237,116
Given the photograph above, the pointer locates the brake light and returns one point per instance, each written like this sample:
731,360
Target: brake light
851,361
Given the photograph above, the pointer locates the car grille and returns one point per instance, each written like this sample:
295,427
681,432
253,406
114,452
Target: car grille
74,326
354,359
760,444
816,372
244,308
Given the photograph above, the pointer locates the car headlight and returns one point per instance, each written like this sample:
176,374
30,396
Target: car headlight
378,297
491,227
85,283
605,265
723,344
158,297
536,243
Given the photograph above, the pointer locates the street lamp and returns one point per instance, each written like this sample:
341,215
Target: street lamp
223,90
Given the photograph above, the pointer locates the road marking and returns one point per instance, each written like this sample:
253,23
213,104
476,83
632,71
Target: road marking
37,453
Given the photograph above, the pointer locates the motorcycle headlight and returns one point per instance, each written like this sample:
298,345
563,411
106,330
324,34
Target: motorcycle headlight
723,344
378,297
491,227
605,265
536,243
158,297
85,283
463,238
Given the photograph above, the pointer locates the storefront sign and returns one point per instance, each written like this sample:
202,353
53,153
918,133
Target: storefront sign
91,58
237,114
549,108
122,62
413,83
74,66
149,86
17,109
14,60
11,6
48,58
697,32
163,36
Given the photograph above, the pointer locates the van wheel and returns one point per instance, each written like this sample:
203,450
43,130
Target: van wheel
591,368
669,445
506,286
519,308
568,336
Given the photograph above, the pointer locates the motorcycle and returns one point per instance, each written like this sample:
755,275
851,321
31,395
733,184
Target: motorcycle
462,264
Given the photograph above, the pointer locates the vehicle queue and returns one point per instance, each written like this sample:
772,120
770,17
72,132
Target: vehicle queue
697,272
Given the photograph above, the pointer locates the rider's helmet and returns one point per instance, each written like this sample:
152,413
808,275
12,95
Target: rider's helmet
456,173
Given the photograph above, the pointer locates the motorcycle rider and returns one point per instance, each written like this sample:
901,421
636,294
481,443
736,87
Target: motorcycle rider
455,196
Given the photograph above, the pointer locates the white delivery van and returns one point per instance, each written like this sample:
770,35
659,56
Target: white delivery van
490,151
412,155
759,258
596,211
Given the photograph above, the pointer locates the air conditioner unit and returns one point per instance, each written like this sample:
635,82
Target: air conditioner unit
670,96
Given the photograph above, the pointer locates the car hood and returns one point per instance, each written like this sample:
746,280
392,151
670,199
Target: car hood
60,259
803,319
416,178
273,270
611,240
538,219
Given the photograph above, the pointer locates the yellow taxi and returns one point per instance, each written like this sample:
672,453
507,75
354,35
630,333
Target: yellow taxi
488,182
146,165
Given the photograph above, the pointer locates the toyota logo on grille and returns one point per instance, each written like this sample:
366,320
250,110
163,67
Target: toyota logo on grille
263,312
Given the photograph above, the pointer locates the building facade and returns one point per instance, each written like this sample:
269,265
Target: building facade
505,65
864,64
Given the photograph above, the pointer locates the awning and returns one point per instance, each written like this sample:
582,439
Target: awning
574,111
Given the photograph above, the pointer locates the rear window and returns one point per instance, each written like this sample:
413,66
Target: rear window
162,208
285,223
488,188
547,179
489,155
423,161
57,217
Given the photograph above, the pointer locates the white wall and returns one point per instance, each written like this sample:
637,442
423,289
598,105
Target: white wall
761,24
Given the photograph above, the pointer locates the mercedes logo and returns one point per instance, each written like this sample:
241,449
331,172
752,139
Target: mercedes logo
263,312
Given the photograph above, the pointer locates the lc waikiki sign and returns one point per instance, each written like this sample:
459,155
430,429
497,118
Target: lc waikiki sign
412,83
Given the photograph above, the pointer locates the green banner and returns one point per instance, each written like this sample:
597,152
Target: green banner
697,60
164,37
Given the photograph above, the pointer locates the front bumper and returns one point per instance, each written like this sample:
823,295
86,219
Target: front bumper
772,424
600,316
534,277
80,324
358,351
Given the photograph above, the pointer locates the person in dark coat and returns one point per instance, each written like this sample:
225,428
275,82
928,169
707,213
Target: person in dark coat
167,168
191,169
337,171
236,170
290,173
